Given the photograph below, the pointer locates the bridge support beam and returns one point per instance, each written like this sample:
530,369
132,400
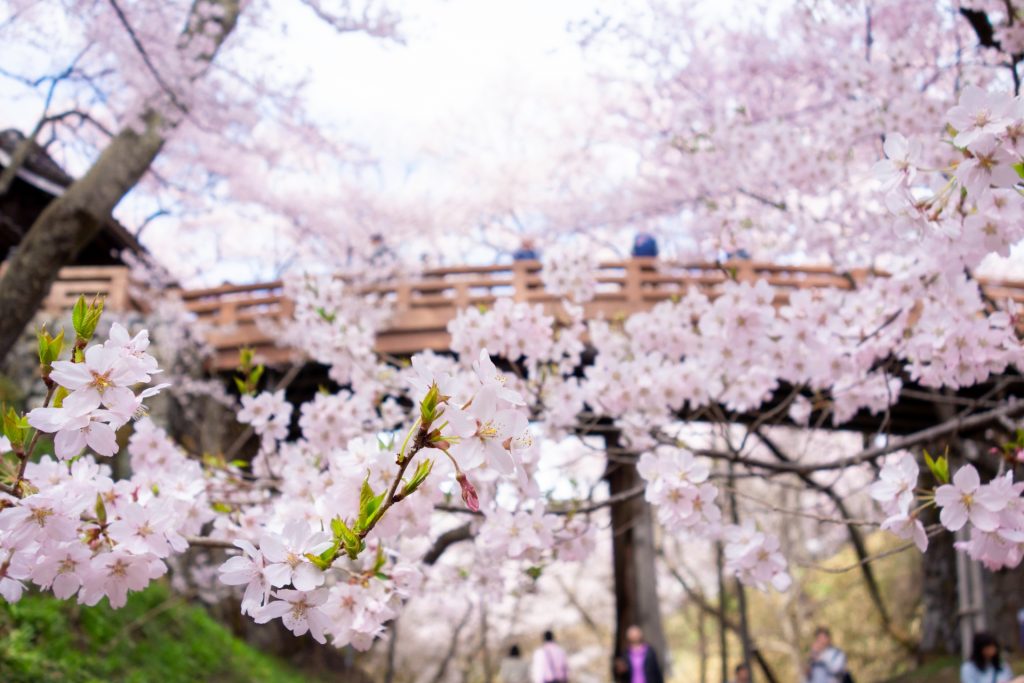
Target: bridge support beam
633,553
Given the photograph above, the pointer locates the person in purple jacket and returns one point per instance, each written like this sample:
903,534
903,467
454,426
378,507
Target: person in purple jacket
639,663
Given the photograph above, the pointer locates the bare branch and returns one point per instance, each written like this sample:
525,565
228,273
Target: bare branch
446,540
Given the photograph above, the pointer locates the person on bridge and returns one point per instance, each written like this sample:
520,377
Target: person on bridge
640,660
645,246
527,251
550,665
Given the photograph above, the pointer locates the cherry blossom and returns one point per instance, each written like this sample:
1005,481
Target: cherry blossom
896,483
299,610
967,500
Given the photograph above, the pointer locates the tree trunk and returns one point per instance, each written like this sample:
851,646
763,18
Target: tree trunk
633,552
68,224
71,220
940,631
1003,598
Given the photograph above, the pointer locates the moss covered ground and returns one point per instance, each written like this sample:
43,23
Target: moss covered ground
155,637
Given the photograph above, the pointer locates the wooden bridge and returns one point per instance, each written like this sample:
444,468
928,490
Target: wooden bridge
232,316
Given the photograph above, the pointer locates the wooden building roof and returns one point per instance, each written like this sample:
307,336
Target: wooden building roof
37,182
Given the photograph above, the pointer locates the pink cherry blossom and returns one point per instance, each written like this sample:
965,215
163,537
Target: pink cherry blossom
897,482
103,377
299,610
967,500
285,555
979,113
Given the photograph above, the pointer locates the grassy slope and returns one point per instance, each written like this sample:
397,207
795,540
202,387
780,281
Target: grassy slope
155,637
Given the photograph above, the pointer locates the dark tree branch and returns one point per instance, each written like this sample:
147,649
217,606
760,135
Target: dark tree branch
856,540
446,540
701,603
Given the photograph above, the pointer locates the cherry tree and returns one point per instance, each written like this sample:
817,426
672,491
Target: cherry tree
180,112
676,425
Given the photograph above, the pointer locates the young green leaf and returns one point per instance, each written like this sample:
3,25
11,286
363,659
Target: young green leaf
101,510
418,477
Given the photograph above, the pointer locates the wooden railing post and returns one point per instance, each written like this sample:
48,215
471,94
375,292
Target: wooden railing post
461,295
520,281
117,297
633,285
859,277
228,313
745,271
403,295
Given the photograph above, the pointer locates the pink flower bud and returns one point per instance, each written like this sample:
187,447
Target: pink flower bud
469,496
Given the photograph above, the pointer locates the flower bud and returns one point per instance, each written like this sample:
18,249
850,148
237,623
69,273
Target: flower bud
469,496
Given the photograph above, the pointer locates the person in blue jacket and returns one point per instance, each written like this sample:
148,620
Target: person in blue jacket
644,245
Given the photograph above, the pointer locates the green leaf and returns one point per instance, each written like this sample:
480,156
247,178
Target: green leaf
245,356
369,506
418,477
939,467
319,561
15,427
380,560
328,317
85,317
44,345
101,510
50,347
1019,168
241,386
59,396
534,572
78,315
221,507
338,527
428,406
346,538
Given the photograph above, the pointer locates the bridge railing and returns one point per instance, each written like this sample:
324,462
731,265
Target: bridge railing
108,282
233,316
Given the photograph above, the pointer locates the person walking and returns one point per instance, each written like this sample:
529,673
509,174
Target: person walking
986,665
550,665
741,673
514,669
640,659
827,663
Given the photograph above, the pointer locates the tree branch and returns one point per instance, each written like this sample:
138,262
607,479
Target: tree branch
446,540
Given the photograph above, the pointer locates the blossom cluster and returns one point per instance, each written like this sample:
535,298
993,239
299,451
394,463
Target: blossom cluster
677,484
327,554
570,271
992,514
65,524
982,160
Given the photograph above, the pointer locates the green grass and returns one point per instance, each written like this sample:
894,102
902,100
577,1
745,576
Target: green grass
155,637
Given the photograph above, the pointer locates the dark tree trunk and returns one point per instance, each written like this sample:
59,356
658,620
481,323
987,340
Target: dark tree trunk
940,632
68,224
71,220
1003,592
634,554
